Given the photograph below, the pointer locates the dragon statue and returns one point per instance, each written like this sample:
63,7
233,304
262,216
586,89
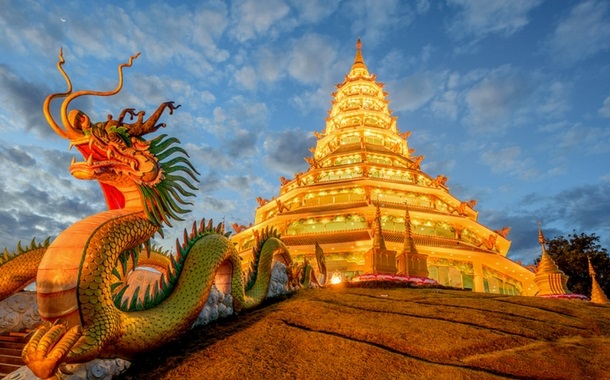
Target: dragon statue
82,275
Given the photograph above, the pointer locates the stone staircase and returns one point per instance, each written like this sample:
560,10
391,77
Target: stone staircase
11,345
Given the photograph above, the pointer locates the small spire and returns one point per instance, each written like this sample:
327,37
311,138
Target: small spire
378,241
591,270
546,264
597,293
540,236
408,244
358,61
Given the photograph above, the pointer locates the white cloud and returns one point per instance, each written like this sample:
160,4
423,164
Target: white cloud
314,11
509,161
554,99
413,92
311,59
246,77
480,18
422,6
604,111
494,101
374,18
253,18
446,105
582,34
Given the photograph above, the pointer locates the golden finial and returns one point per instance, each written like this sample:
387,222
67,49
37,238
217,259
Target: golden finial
358,60
408,244
540,235
378,241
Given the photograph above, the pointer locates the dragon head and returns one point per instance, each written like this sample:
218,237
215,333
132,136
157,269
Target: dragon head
133,172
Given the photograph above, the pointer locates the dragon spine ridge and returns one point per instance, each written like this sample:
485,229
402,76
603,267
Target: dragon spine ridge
8,256
256,253
167,282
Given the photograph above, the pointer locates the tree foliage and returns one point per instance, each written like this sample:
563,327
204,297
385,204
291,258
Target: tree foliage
570,255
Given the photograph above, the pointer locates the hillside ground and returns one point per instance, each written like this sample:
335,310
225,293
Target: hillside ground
400,333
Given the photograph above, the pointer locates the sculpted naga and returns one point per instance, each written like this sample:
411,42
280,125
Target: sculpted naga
82,275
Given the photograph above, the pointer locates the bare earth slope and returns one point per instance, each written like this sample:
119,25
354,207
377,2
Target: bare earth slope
355,333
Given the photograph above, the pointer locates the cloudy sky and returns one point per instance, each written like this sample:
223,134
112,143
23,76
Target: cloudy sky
509,99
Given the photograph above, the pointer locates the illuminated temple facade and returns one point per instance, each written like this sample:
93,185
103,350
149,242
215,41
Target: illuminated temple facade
362,175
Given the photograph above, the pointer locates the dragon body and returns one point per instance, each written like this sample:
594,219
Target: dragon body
82,276
18,269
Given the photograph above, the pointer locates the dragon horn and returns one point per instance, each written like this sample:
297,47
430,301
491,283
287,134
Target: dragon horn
47,102
71,96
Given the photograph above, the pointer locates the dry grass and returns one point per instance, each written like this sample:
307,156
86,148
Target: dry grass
357,333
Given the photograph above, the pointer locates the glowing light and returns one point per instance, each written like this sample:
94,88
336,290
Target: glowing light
336,278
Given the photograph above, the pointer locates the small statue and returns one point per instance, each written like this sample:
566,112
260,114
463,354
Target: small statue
503,232
312,162
238,228
490,242
440,180
262,201
284,180
405,135
281,207
416,163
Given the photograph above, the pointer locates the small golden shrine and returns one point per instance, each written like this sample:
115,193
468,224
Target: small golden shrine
363,176
549,278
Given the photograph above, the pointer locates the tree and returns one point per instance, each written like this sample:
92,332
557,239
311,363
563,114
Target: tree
570,255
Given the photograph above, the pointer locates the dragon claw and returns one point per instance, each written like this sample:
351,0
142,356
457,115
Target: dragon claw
49,346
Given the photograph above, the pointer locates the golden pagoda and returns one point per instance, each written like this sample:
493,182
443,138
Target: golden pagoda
365,187
597,293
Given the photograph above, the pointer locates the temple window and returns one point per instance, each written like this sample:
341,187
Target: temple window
338,223
350,139
444,229
373,140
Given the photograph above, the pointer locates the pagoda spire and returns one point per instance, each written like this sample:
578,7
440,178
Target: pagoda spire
408,243
597,293
549,278
378,241
358,67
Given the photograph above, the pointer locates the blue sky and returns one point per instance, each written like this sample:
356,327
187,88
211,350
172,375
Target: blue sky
509,99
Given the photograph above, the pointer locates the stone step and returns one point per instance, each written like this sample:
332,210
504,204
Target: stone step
10,338
11,351
5,369
16,345
10,359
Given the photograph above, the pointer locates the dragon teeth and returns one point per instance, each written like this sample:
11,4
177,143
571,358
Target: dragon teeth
90,159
